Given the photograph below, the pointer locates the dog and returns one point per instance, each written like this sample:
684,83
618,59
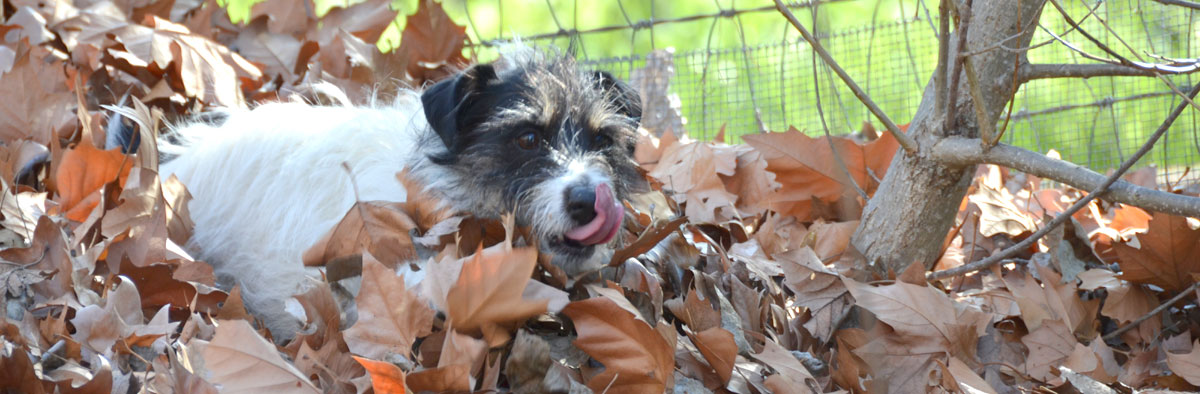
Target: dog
534,135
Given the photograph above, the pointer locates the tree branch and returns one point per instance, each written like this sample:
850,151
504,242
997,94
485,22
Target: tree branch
1031,71
964,151
969,151
1181,3
905,141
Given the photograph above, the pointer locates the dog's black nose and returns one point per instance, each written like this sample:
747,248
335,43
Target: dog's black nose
581,203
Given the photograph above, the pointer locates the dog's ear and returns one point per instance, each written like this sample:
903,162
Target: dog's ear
627,100
448,102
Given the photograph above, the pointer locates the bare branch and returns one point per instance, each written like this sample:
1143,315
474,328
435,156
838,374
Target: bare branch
963,151
1181,3
1181,66
905,141
1031,71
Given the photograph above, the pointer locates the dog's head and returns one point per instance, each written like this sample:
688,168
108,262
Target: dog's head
545,140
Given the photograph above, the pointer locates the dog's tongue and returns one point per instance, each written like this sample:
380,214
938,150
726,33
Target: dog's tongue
609,213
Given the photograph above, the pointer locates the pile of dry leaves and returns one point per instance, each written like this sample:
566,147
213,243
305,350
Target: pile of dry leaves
734,274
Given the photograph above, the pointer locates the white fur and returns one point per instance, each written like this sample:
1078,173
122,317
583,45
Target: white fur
270,182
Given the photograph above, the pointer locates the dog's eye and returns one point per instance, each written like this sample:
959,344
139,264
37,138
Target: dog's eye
528,141
601,140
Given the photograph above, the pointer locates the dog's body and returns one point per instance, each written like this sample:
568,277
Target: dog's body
535,137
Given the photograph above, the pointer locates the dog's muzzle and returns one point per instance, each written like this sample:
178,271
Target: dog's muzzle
598,212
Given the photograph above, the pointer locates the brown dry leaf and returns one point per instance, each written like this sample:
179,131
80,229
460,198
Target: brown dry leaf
454,378
390,317
487,295
1049,345
636,358
285,16
717,346
35,97
241,361
81,174
692,173
1050,300
913,311
376,227
279,54
649,149
783,362
697,313
999,213
203,69
966,380
1164,256
751,181
817,288
366,20
385,377
432,42
807,169
1084,360
1186,365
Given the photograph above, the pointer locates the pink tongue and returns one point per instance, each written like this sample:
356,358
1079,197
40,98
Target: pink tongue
603,228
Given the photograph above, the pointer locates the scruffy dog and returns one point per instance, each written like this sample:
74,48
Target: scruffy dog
532,134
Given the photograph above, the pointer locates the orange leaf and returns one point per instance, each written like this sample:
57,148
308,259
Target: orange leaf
1166,256
386,378
636,358
82,172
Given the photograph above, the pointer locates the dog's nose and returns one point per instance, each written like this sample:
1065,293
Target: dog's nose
581,203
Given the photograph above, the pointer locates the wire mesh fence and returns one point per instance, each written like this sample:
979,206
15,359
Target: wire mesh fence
771,85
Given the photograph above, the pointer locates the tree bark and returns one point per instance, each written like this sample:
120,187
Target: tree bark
912,211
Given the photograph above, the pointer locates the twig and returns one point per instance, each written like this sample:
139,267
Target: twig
987,127
837,155
1116,333
1181,3
939,78
1178,68
964,24
905,141
1030,71
1062,171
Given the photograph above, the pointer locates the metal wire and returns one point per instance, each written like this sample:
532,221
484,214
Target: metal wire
770,85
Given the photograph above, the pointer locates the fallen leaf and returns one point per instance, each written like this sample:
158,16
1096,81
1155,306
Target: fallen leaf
1164,256
636,358
488,293
35,100
385,377
83,171
239,360
390,317
432,42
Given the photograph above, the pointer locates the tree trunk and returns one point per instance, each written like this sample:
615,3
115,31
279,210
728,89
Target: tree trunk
909,216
